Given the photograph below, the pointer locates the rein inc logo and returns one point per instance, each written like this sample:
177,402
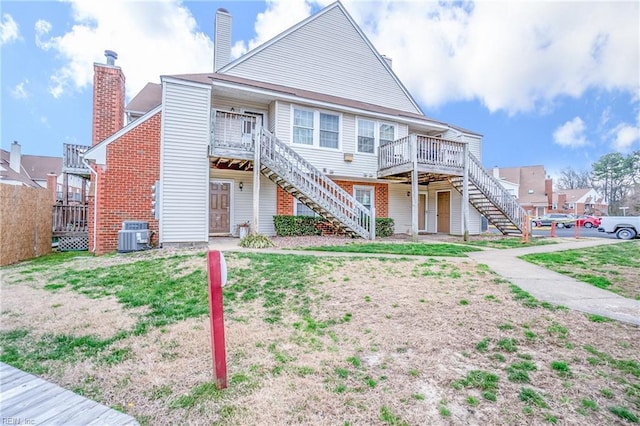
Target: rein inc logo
17,421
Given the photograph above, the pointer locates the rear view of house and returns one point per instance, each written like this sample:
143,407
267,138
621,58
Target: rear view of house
313,122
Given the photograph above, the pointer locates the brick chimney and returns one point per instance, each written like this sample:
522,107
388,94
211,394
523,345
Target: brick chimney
108,98
52,186
548,190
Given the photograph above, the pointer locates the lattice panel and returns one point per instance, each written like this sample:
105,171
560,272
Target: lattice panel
73,243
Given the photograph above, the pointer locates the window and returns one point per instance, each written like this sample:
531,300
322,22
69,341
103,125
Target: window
315,128
329,126
302,210
372,133
366,136
387,134
302,126
364,195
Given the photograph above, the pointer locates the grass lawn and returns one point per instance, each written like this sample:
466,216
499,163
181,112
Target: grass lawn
313,340
410,249
613,267
509,242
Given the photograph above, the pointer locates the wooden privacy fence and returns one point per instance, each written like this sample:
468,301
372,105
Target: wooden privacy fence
25,223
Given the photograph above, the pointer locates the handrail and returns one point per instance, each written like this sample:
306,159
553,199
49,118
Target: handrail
312,183
429,150
496,193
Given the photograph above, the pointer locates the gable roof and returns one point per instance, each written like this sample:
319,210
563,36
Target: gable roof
326,53
148,98
579,195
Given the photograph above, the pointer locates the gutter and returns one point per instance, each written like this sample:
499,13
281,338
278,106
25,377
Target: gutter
95,204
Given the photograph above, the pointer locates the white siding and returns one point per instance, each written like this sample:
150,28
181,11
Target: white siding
400,208
363,165
243,200
327,55
184,164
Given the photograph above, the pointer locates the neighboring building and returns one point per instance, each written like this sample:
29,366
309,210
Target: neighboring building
314,120
39,171
579,201
532,187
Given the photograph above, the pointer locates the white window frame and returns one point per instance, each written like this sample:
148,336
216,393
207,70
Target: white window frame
372,191
376,133
316,127
297,204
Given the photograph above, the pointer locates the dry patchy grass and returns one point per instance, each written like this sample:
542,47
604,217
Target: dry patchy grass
353,341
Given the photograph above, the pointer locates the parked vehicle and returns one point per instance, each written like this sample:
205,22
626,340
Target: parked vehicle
625,227
588,221
562,220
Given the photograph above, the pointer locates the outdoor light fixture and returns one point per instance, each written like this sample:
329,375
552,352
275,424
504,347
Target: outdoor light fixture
241,185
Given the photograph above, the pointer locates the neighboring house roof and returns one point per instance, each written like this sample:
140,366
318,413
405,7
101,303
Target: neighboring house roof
326,53
531,180
148,98
580,195
33,168
38,166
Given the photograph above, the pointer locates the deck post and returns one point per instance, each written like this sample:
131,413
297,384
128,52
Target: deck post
465,194
256,178
414,188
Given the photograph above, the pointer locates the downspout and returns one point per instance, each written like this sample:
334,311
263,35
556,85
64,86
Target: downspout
95,204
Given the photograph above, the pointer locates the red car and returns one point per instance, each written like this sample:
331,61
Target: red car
588,221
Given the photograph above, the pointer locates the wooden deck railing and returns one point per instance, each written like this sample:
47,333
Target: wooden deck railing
72,156
429,150
69,219
231,130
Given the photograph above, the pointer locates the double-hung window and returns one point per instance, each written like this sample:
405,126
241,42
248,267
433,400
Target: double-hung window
372,133
316,128
302,126
364,194
303,210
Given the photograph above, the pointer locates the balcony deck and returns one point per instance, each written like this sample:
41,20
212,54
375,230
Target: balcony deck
435,158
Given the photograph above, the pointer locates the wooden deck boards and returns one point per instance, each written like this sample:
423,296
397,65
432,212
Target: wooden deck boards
27,399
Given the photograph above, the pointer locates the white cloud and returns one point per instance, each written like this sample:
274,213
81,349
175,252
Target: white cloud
151,38
19,91
626,135
571,134
512,56
9,30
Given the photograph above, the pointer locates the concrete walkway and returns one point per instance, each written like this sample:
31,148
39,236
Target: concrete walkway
556,288
540,282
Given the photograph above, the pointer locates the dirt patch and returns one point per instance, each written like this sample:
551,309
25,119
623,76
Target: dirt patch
62,312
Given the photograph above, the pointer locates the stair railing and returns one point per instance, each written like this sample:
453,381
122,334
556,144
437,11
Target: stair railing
315,185
496,193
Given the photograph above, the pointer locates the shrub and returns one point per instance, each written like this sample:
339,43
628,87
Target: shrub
256,241
384,227
296,226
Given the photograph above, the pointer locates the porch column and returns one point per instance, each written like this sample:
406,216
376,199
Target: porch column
414,188
465,194
256,179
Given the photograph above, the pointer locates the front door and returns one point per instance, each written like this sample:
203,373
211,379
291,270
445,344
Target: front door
444,212
219,207
422,212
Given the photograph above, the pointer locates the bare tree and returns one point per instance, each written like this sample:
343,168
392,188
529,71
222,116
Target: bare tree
573,179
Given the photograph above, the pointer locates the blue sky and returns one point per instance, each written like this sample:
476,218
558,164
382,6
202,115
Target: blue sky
551,83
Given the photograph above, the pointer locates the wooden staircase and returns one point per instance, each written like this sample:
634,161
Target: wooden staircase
297,176
491,199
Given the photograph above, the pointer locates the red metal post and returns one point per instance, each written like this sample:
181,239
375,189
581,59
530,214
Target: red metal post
576,232
553,229
218,350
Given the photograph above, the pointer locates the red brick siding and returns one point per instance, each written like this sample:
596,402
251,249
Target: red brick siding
108,101
285,201
124,185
